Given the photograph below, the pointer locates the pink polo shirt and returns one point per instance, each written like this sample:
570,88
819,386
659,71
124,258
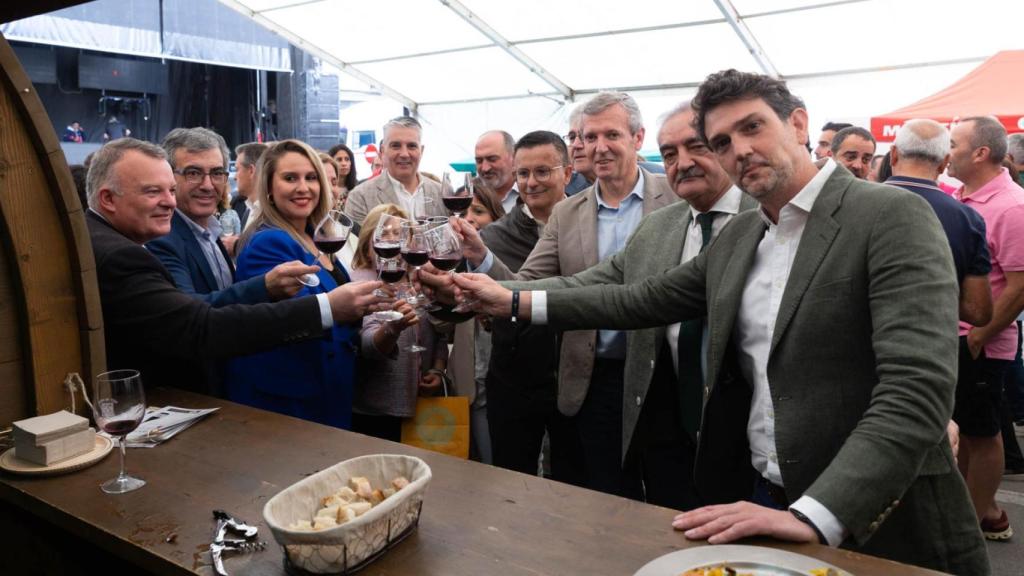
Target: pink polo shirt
1001,205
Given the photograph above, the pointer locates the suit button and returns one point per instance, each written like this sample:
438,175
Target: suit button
652,363
896,502
639,401
707,391
698,436
873,526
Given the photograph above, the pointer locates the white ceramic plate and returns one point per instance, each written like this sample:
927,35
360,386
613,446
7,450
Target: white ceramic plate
13,464
756,560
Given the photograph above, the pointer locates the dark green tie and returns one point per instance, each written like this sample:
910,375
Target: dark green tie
691,332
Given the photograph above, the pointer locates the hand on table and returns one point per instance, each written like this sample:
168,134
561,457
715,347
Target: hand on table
283,280
725,523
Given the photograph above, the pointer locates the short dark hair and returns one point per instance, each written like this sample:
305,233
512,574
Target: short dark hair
835,126
731,85
990,133
842,135
541,138
252,152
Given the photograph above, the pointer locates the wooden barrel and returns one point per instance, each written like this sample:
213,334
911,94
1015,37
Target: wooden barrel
51,322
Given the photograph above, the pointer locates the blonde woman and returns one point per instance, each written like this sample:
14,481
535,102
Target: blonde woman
311,379
389,375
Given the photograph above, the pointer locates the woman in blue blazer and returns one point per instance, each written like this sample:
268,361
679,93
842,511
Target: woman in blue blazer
311,379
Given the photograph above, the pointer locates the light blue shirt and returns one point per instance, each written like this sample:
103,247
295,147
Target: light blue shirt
208,242
614,227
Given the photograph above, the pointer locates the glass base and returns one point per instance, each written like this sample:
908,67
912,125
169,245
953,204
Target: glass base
122,484
311,280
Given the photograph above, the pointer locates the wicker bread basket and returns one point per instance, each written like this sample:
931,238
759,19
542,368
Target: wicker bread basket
350,546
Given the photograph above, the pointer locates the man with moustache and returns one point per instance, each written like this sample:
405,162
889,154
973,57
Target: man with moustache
830,360
493,156
663,367
582,231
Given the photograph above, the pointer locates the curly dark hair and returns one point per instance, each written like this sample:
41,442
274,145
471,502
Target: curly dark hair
731,85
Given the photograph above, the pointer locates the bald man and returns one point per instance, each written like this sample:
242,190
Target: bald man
494,164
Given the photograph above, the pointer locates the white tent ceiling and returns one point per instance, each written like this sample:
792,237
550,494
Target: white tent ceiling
422,52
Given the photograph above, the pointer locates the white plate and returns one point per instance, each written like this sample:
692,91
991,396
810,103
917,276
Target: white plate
11,463
758,560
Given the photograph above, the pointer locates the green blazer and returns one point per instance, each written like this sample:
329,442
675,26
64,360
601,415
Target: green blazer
655,246
862,368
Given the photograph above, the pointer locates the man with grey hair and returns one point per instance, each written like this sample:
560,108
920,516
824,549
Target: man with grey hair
583,230
854,147
401,182
150,324
493,156
582,170
918,155
1015,150
978,147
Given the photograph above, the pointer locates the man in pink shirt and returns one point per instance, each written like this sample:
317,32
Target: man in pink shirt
977,150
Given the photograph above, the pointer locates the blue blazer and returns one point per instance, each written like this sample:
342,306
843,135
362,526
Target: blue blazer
181,254
311,379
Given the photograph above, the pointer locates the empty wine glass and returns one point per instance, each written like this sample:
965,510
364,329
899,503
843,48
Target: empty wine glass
329,237
422,208
456,200
119,403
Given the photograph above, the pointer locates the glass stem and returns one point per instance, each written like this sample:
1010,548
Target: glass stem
124,446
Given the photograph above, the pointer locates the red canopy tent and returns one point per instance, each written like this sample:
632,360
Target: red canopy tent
996,88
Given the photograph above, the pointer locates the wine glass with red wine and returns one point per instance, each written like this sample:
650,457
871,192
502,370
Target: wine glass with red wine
329,237
387,241
457,201
119,403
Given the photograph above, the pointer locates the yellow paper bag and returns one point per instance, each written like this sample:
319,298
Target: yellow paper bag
441,424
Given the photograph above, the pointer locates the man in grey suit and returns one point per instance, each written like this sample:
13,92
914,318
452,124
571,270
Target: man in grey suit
831,360
582,231
401,183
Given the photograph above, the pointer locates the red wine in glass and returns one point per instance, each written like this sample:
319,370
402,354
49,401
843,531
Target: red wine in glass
415,258
387,250
120,427
446,262
392,276
457,204
329,245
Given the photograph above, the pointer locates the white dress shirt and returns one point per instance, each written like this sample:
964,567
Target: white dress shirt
755,327
408,200
510,199
727,207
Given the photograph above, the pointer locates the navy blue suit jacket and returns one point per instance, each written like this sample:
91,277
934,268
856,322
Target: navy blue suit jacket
312,379
183,257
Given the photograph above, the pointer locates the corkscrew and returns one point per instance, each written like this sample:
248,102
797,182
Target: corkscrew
221,544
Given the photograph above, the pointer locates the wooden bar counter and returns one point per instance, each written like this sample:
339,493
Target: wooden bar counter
476,519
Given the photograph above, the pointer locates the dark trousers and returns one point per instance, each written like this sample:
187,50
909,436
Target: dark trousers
1012,410
518,416
659,465
383,427
599,425
1014,381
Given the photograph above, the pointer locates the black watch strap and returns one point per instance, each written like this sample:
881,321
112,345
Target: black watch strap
803,518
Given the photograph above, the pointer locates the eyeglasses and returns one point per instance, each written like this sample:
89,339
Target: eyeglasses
540,173
195,175
571,137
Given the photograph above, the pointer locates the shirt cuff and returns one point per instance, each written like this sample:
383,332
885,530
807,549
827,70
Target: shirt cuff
326,317
485,266
538,307
830,526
